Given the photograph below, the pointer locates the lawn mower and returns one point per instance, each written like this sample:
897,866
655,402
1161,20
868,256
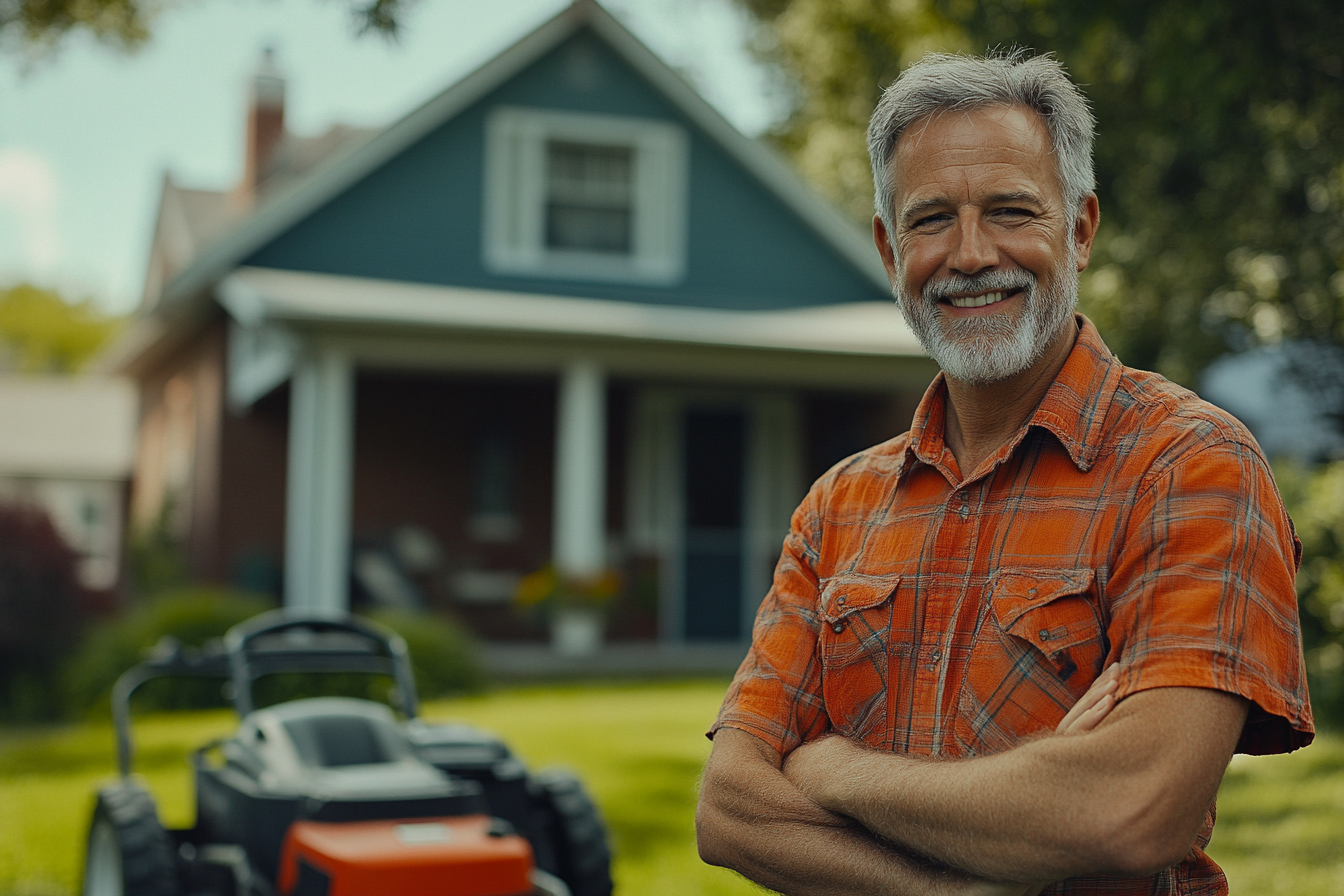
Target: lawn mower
333,796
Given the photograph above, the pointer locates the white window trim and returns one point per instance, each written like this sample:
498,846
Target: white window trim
515,185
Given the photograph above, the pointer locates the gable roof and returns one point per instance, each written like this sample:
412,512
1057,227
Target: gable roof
290,203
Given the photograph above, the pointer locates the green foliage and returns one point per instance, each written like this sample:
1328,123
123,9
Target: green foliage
42,24
1219,158
156,560
1315,501
191,615
42,333
443,655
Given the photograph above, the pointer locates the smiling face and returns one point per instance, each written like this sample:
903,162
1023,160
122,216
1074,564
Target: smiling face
986,254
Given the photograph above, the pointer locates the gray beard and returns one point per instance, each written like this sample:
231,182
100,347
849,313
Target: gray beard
984,350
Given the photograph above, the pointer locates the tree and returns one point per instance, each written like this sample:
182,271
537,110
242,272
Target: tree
41,333
1316,501
1219,160
42,24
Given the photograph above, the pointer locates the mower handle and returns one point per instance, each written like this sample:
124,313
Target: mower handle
247,664
238,659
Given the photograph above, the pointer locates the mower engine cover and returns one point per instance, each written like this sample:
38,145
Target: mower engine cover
465,856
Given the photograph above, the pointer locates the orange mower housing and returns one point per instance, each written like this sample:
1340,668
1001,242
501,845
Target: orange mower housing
465,855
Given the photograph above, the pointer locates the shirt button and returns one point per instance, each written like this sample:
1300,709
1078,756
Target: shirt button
838,627
1045,634
842,600
936,655
963,511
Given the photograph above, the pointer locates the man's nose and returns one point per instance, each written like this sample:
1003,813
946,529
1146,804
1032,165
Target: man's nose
974,250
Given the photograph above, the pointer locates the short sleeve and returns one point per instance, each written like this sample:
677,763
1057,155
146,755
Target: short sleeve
1202,592
776,694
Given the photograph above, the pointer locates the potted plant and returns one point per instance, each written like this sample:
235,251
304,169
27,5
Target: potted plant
575,607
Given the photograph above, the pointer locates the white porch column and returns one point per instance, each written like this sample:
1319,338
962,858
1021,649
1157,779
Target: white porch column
579,526
317,505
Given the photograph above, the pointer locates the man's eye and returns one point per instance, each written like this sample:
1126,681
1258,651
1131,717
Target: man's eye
1012,213
931,221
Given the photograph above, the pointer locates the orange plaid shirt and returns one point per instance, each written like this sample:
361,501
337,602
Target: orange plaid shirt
1127,520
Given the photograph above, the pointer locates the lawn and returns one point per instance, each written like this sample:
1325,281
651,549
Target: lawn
640,748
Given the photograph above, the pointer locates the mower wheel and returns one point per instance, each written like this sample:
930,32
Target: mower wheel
129,852
578,836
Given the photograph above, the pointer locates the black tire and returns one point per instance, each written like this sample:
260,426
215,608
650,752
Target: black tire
129,853
576,849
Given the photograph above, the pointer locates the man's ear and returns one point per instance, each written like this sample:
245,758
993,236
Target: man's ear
1085,229
883,242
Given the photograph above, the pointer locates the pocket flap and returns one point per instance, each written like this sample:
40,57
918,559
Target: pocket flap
1019,591
843,595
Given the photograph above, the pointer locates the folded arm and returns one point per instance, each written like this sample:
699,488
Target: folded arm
1126,799
753,820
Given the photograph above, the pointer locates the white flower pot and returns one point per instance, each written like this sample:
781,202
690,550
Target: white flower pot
576,632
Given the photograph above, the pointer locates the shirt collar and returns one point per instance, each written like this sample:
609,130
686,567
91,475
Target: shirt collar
1073,409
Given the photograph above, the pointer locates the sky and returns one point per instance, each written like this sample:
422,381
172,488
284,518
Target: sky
87,133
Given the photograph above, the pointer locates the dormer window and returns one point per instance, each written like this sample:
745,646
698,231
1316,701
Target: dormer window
586,197
588,192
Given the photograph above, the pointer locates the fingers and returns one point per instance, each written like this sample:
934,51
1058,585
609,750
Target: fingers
1093,706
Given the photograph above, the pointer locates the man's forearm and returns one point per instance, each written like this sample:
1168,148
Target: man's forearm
751,819
1125,799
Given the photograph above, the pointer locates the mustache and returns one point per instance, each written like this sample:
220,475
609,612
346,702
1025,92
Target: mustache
945,287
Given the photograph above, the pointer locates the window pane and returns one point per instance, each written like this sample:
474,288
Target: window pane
588,190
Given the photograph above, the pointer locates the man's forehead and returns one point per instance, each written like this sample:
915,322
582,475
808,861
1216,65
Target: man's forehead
1008,144
987,122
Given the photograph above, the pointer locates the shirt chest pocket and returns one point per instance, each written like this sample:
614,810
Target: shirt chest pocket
1040,646
854,645
1054,612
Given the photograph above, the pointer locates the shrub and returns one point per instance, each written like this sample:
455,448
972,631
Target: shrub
191,615
442,655
41,605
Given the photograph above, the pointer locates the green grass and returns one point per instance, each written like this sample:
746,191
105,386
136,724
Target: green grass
640,749
1281,822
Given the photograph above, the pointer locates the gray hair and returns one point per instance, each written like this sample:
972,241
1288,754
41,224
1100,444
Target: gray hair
941,81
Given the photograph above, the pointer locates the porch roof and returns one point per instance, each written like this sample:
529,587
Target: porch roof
255,296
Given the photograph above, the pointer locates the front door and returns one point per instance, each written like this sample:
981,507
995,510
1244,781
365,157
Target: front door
713,463
713,477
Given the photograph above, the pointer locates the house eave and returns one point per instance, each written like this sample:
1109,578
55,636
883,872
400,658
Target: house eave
259,296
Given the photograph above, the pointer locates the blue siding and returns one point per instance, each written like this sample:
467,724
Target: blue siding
418,217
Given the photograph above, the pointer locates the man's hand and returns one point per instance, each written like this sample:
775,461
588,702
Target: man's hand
1093,706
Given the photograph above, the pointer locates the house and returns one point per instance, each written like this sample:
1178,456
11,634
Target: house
67,447
562,312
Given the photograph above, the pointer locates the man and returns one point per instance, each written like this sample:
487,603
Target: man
1055,526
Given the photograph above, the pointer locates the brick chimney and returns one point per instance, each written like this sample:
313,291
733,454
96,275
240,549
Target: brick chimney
265,125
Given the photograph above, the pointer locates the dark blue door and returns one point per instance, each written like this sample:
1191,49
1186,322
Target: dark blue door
715,446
